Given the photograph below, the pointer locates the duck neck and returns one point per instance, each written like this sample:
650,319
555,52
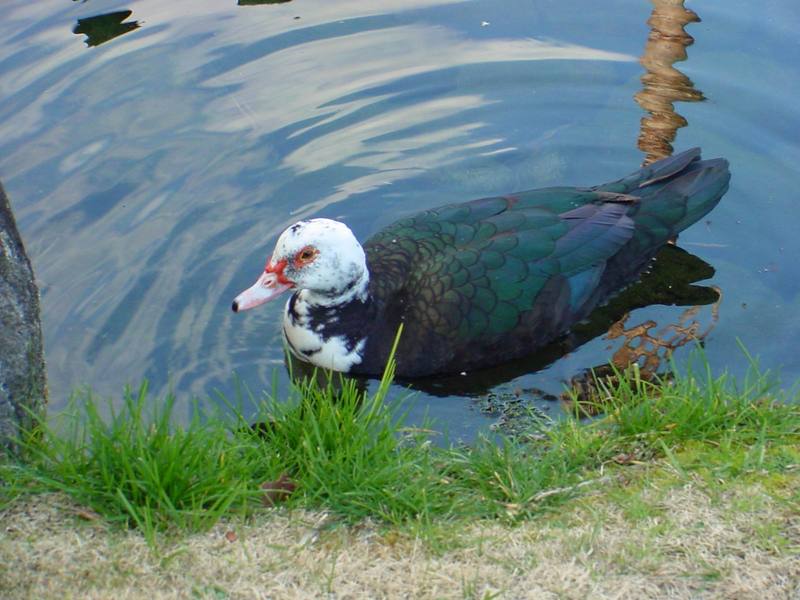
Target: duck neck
327,331
356,290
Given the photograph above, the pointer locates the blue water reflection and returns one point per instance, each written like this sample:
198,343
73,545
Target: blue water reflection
152,173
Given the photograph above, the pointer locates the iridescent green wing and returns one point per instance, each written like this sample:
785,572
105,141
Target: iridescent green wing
471,270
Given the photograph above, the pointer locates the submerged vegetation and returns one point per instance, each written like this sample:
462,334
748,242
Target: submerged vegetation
347,451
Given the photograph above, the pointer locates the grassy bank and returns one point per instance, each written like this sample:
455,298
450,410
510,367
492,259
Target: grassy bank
343,463
344,451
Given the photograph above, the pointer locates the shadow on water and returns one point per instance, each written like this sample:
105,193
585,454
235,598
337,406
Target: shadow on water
101,28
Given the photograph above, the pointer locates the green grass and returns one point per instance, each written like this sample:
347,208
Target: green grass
347,452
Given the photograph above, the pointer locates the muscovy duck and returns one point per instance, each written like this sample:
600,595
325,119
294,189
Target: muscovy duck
482,282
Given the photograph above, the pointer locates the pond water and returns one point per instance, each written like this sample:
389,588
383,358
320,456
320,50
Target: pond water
154,154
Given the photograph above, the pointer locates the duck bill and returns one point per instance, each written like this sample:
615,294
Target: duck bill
265,289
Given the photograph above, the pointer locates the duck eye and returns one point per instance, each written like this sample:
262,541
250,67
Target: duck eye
305,255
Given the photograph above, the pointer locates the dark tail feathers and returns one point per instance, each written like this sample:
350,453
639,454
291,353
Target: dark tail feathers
682,183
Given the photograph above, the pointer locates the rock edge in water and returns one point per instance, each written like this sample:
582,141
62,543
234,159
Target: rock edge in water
23,385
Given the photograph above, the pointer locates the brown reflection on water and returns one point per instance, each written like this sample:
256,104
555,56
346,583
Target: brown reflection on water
645,346
663,83
652,350
663,86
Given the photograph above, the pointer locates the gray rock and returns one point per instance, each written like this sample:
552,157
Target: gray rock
23,385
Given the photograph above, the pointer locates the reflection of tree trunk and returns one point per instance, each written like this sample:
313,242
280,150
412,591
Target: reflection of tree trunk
663,83
643,345
23,390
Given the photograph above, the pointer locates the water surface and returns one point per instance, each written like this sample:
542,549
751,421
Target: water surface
154,155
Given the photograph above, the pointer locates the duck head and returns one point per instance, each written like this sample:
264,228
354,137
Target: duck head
321,257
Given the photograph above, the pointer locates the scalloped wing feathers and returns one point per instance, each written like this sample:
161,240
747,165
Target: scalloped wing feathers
471,272
492,279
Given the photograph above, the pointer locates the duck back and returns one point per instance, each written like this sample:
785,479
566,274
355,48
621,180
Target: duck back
482,282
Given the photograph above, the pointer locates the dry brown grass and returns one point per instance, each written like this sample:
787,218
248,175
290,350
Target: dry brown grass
669,540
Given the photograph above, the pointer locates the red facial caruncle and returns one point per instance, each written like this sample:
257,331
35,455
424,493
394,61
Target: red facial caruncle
271,284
